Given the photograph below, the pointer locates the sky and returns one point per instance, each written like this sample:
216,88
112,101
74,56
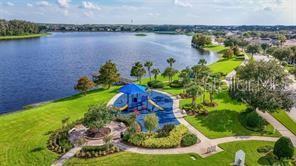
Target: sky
191,12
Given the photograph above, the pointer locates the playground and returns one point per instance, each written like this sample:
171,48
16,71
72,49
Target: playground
142,101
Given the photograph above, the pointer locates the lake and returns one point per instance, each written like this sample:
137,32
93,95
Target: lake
47,68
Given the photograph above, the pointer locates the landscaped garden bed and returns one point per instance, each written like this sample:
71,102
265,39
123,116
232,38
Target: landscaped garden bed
97,151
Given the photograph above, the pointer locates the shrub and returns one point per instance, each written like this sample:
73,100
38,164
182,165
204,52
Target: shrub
228,53
138,139
254,120
283,148
128,119
165,130
176,84
173,140
155,84
264,149
188,140
96,151
151,122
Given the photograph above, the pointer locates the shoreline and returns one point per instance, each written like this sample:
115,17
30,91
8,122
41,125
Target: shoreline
5,38
42,103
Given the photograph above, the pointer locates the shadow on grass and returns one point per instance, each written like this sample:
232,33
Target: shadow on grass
222,121
225,98
37,149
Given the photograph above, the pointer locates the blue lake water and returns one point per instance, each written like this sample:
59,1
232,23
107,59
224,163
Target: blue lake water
36,70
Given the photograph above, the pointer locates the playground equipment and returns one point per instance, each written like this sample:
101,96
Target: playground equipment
137,97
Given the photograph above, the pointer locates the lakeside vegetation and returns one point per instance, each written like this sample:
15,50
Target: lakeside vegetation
23,36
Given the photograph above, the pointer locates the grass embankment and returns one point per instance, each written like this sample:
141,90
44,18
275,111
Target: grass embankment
223,120
282,117
223,158
23,36
24,135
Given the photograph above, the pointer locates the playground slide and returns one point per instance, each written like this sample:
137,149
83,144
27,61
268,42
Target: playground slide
154,104
121,108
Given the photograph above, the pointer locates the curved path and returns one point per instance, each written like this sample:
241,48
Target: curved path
204,148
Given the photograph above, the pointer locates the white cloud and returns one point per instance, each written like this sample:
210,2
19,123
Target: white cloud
89,5
63,3
88,13
182,3
9,4
29,5
43,3
153,14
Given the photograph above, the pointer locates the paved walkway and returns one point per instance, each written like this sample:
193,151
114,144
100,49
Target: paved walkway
66,156
277,125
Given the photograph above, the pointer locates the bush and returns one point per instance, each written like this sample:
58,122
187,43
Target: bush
155,84
264,149
251,120
188,140
151,122
254,120
165,130
193,110
283,148
176,84
96,151
152,141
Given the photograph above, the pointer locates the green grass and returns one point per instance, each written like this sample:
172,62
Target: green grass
22,36
223,158
223,120
282,117
23,135
225,66
216,48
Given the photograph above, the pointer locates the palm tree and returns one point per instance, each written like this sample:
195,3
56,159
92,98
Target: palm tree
169,72
171,61
264,47
185,77
155,72
138,71
202,62
193,91
213,85
149,64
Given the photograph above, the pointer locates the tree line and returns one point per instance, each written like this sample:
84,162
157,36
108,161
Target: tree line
17,28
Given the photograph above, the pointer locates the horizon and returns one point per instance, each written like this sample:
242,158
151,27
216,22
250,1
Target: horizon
166,12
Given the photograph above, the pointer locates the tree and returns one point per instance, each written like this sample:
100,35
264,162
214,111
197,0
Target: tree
108,74
236,50
169,72
171,61
243,44
283,148
138,71
155,72
184,77
201,40
261,85
213,85
282,39
231,42
202,62
84,84
253,49
149,64
228,53
193,91
98,116
264,47
151,122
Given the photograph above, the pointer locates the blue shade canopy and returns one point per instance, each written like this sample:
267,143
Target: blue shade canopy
131,89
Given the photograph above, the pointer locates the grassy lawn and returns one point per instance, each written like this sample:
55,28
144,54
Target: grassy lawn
223,120
223,158
282,117
216,48
22,36
225,65
23,135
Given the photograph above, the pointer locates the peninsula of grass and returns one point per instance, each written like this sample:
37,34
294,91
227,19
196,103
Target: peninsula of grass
282,117
23,36
225,66
140,34
223,120
223,158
